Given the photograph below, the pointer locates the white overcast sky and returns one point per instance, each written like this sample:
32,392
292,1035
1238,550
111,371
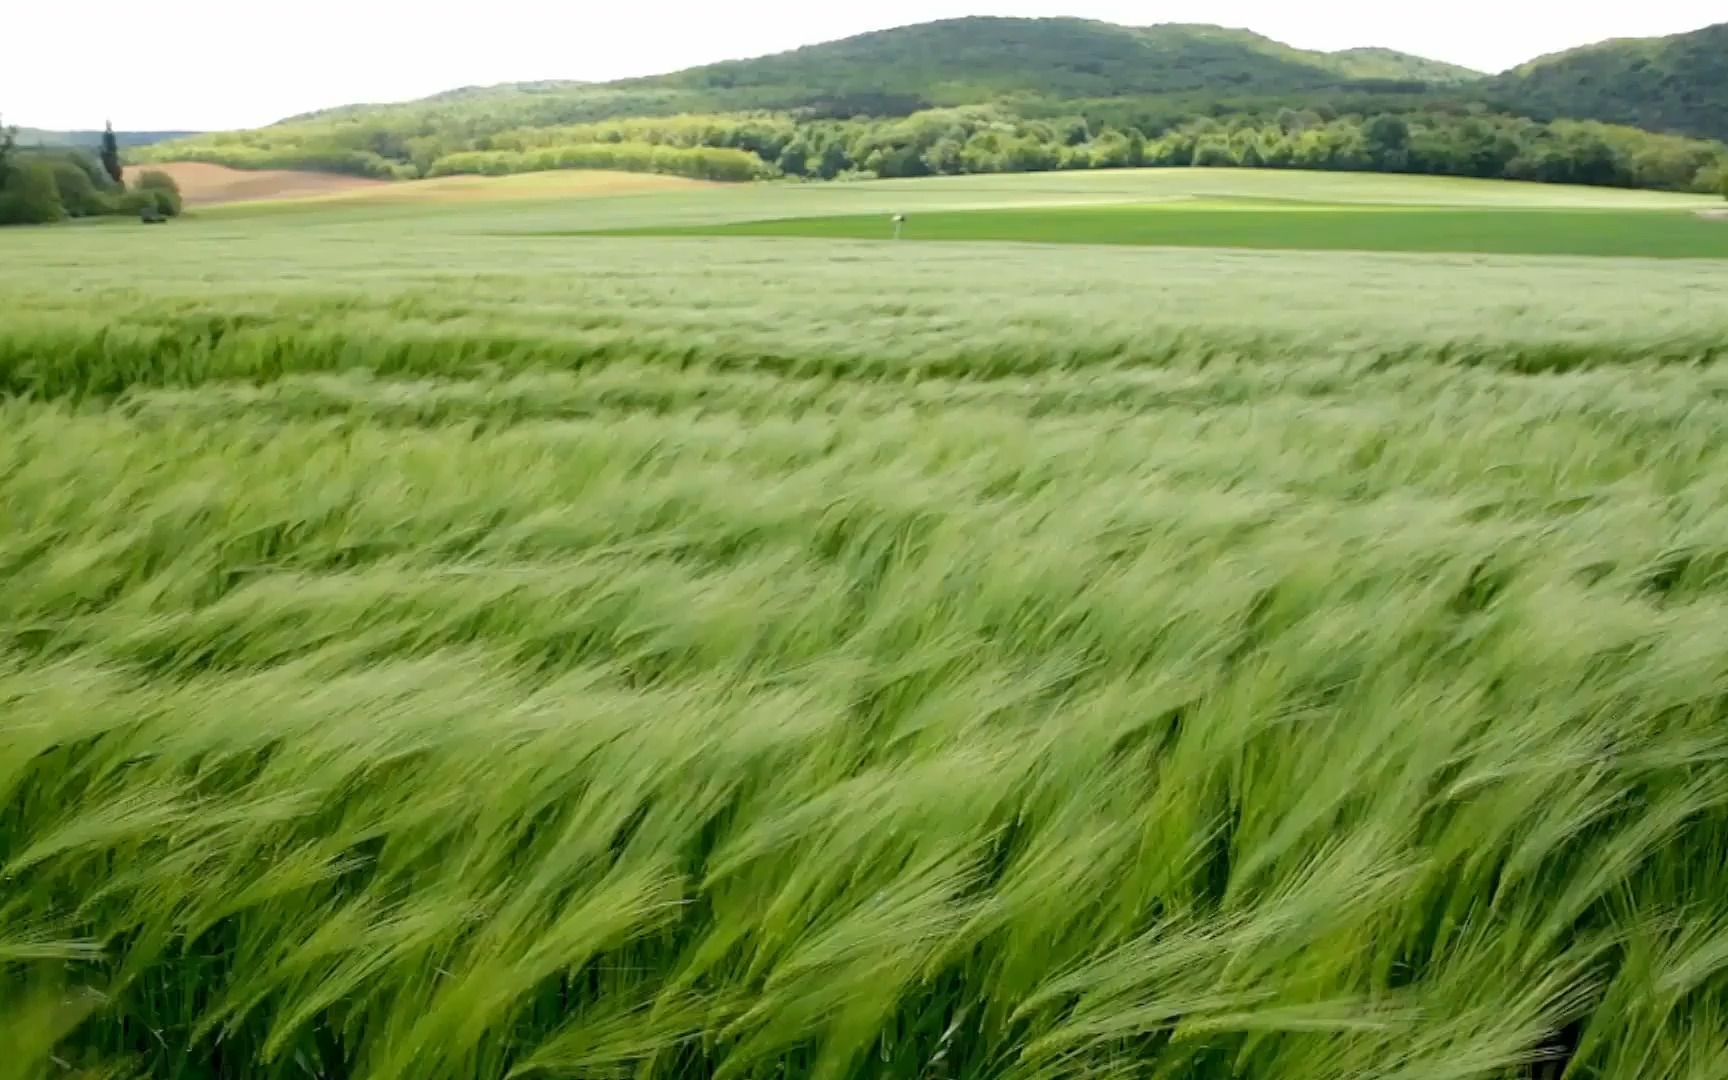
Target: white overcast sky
207,64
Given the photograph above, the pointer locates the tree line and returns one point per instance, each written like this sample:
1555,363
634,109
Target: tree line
1412,135
39,185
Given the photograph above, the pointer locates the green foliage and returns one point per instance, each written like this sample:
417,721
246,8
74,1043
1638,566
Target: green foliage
154,193
440,654
1019,94
1144,83
153,204
1677,84
1443,144
1001,139
698,163
1212,151
967,61
765,135
1386,140
273,149
45,185
895,73
29,194
1389,65
156,180
8,147
40,185
77,192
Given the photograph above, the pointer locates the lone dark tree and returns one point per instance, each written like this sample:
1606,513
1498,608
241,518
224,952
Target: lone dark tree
1388,139
8,143
111,155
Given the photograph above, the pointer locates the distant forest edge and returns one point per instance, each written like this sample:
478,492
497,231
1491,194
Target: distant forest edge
92,139
47,182
988,95
991,139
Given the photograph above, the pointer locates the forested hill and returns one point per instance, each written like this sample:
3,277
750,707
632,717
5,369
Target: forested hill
1675,84
1392,65
93,138
990,95
968,61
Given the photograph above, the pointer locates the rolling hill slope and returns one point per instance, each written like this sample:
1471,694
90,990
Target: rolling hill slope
951,62
1390,64
964,61
92,139
1674,84
988,95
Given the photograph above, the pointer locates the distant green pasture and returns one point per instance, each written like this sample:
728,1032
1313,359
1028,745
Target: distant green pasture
1259,224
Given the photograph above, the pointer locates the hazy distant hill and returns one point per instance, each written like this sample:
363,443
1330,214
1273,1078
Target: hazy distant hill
40,137
1675,84
965,61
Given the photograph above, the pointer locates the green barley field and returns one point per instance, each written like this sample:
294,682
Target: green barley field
1633,233
438,643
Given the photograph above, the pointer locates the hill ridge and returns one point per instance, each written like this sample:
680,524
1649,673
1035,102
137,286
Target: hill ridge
1676,84
1287,67
986,94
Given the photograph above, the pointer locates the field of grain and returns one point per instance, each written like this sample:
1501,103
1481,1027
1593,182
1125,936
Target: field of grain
1201,208
1299,226
434,647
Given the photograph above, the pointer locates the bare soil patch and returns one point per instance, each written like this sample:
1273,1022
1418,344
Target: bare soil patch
208,185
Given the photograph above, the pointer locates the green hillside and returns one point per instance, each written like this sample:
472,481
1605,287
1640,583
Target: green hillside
1394,65
127,139
987,95
964,61
1676,84
951,62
